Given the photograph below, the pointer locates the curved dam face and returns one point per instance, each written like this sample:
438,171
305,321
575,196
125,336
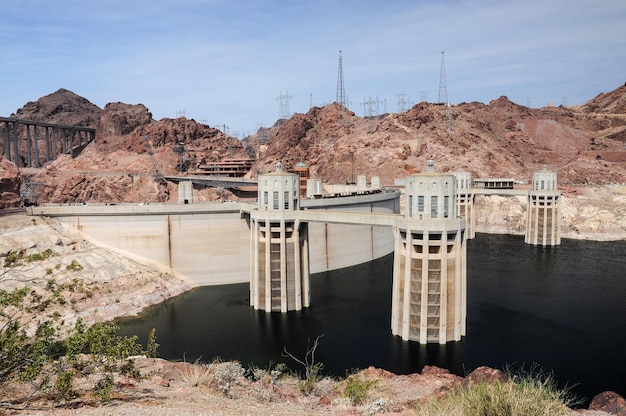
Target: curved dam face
209,244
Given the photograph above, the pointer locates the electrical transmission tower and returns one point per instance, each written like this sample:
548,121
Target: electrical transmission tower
443,84
341,88
283,106
403,103
371,107
443,93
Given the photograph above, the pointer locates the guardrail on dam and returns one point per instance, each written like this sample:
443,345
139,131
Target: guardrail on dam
209,244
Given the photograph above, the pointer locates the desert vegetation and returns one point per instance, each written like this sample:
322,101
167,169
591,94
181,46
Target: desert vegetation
38,351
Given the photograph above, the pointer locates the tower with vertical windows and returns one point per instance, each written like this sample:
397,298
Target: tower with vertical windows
429,271
543,223
279,275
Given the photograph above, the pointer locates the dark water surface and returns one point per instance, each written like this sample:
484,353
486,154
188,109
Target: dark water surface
563,308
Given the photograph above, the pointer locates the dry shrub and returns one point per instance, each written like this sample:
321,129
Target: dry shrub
197,374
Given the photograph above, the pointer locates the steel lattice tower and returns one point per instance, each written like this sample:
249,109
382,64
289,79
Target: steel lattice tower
443,84
283,106
341,88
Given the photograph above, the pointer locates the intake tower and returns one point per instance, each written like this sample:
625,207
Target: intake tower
429,271
279,275
543,226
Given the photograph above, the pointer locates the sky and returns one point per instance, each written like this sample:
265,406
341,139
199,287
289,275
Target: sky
228,63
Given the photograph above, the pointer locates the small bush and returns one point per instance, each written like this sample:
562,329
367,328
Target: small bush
378,406
74,266
104,388
266,379
312,368
151,348
64,385
228,374
526,394
197,374
358,390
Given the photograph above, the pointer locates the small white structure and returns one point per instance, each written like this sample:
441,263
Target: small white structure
185,192
314,188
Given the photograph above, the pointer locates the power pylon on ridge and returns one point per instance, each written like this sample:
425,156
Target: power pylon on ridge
443,84
283,106
341,88
371,107
403,102
443,93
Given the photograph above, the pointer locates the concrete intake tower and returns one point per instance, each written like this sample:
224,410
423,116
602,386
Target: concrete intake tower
279,275
544,219
429,272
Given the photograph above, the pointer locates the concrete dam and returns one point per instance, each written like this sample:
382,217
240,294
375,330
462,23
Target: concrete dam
277,243
209,244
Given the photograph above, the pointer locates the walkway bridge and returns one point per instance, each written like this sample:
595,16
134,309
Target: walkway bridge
31,143
214,181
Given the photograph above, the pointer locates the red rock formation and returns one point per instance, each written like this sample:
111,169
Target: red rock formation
609,402
61,107
10,182
585,144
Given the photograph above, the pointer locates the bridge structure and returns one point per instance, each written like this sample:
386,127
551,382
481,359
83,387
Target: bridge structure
215,181
41,142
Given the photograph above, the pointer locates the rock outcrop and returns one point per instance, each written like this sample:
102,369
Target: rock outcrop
10,183
118,285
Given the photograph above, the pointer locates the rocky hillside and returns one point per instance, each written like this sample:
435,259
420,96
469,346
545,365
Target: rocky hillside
127,161
586,144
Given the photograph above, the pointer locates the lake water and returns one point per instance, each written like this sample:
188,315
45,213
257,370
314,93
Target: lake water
562,308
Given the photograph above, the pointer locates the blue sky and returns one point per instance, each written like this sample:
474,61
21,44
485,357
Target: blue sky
226,62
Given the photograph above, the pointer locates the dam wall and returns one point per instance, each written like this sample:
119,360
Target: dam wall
334,246
209,244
